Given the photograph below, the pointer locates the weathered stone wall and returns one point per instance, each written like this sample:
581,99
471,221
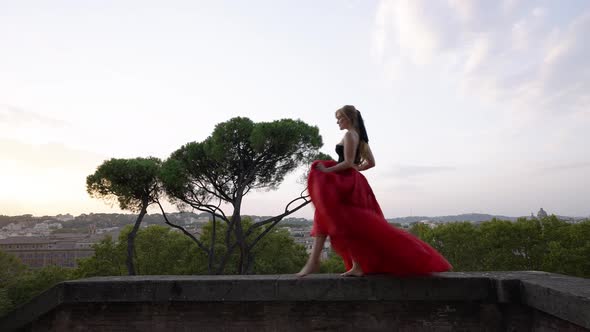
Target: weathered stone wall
279,316
298,316
518,301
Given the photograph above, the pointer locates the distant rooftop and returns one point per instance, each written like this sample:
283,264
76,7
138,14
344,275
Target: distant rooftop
27,240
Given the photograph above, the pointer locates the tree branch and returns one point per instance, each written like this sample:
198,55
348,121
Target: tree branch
206,208
275,220
199,243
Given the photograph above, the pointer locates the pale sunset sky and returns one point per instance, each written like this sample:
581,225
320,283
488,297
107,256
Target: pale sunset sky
470,105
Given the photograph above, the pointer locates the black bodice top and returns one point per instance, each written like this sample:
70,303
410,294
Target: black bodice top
340,152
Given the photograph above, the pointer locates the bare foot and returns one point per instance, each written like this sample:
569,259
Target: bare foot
310,267
354,272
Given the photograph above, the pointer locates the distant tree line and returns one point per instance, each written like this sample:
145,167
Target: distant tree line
159,250
545,244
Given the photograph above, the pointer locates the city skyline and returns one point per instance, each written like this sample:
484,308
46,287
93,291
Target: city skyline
480,215
470,106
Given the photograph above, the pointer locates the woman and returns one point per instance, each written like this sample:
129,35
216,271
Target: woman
347,211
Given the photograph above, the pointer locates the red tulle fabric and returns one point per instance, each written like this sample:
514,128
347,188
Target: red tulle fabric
347,212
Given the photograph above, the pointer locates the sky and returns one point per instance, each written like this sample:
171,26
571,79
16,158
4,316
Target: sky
471,106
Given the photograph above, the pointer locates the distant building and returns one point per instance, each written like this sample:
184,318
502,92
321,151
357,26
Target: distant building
41,226
541,214
39,252
197,220
301,235
203,220
92,229
64,217
13,227
428,223
56,225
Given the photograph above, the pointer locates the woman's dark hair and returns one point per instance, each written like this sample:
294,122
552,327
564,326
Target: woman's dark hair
352,114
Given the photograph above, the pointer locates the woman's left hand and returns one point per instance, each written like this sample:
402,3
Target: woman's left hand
320,167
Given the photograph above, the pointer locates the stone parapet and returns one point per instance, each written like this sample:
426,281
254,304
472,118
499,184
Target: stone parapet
452,301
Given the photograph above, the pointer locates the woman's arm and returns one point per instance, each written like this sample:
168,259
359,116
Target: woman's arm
369,162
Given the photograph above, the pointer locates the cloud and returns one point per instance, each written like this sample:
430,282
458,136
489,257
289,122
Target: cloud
16,116
477,53
409,30
405,171
45,156
509,5
45,177
565,167
465,8
352,4
514,53
23,125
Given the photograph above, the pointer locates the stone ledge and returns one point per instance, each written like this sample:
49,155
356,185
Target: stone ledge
567,298
561,296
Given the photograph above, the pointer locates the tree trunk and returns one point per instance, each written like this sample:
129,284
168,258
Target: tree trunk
239,232
131,240
212,248
244,254
234,225
242,245
250,262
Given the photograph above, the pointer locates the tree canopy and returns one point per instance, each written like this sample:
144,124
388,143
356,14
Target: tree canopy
546,244
134,183
131,182
240,155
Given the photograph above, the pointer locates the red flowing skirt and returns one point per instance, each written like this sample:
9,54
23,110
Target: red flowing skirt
346,210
